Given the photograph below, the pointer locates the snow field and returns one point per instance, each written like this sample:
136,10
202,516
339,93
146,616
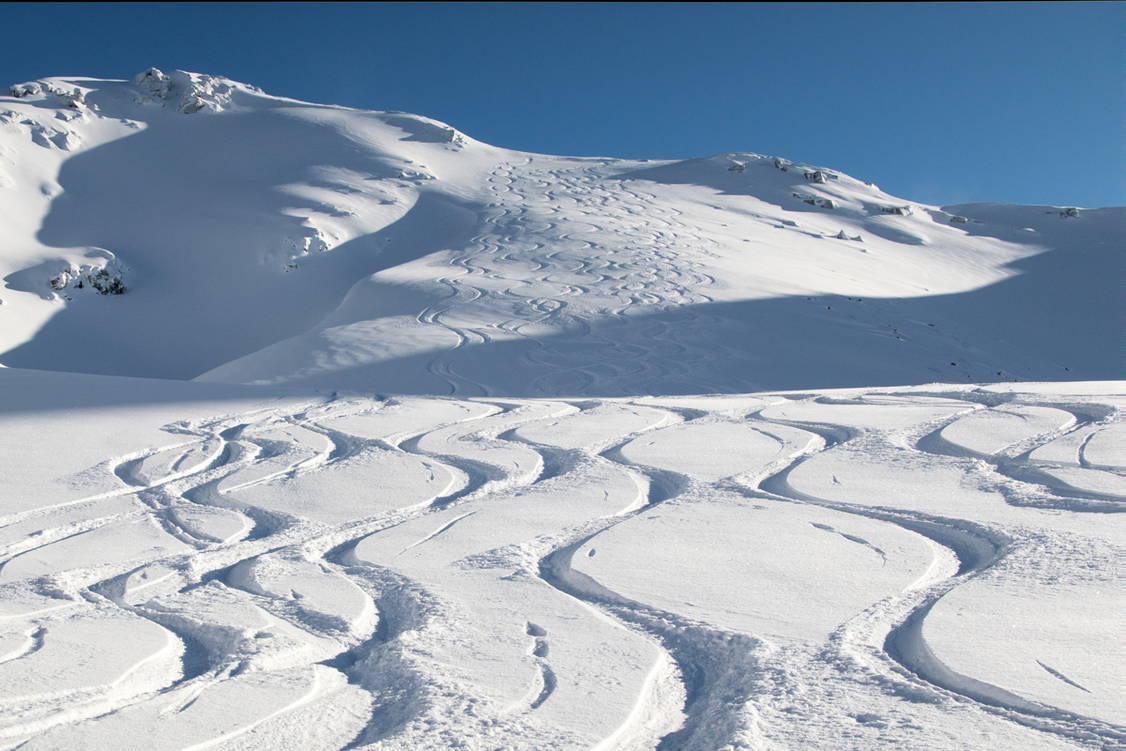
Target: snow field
515,470
866,567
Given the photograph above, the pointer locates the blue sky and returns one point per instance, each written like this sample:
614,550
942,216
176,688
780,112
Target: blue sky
941,103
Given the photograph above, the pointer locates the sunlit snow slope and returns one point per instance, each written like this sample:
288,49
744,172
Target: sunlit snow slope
191,565
445,446
266,240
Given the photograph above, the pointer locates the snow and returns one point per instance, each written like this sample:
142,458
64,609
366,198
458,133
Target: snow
394,439
392,253
712,571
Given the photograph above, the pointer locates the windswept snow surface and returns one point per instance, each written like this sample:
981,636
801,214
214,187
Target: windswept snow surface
479,449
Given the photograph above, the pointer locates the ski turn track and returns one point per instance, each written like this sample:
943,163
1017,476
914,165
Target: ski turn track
543,258
479,572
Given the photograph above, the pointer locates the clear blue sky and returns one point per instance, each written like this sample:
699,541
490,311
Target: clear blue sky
942,103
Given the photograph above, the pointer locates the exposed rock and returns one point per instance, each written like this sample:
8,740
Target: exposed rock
897,210
104,280
32,88
824,203
74,98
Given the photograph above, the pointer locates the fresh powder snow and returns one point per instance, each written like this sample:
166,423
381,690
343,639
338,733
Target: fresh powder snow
324,428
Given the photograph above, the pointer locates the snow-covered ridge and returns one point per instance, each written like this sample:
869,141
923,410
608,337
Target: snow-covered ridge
186,92
271,240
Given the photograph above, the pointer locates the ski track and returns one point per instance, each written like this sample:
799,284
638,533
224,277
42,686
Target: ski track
654,272
977,549
721,672
728,680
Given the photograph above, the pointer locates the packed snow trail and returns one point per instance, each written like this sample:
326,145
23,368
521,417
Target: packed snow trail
573,574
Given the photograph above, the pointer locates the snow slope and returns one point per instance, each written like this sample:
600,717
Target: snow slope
188,565
265,240
376,436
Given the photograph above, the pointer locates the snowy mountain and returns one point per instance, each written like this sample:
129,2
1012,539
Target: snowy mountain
260,239
331,429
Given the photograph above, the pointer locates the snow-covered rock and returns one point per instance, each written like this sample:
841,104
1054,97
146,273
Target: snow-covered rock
187,92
